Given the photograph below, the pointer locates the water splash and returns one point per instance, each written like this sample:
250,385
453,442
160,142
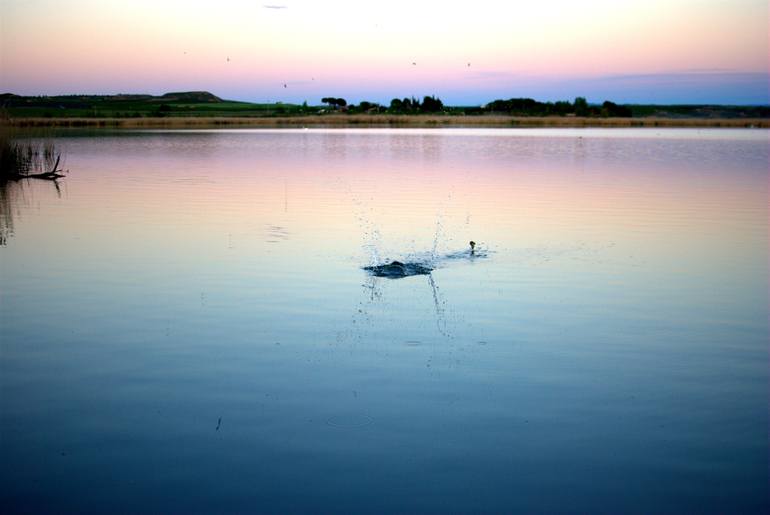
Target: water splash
441,323
437,236
375,241
423,264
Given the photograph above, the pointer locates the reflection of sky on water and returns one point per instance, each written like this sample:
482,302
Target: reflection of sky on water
611,344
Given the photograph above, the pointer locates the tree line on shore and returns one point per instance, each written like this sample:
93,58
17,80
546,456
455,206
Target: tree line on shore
407,105
204,104
513,106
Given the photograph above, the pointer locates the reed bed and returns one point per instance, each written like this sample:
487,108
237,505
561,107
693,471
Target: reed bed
22,158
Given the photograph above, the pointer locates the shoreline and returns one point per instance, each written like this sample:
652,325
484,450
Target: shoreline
383,120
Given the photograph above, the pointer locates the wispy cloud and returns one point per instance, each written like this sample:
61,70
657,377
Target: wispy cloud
272,6
685,75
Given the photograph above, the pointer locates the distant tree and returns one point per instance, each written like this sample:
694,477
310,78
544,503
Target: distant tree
613,109
334,102
163,110
368,106
581,106
396,104
562,107
518,106
431,104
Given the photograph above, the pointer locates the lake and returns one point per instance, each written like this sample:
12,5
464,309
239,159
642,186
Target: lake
187,325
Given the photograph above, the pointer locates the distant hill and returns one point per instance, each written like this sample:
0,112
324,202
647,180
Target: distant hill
10,100
192,104
190,97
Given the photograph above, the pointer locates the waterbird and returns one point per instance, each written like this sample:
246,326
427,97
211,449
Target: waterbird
396,269
473,247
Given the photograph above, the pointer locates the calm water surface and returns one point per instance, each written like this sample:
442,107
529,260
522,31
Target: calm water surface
186,325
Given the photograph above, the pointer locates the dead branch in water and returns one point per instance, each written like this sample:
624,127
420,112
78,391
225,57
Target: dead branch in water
52,175
24,161
48,176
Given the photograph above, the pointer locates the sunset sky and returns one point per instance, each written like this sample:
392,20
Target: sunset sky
645,51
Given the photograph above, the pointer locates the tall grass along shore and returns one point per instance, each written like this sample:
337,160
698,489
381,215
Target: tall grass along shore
25,158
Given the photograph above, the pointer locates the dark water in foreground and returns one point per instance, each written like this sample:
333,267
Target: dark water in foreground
187,325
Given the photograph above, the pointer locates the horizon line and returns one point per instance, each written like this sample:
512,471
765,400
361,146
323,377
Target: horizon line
419,97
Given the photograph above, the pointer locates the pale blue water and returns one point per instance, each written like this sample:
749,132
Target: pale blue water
187,325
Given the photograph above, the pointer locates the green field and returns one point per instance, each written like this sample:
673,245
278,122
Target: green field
194,104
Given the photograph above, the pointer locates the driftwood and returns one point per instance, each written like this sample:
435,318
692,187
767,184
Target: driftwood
53,175
49,176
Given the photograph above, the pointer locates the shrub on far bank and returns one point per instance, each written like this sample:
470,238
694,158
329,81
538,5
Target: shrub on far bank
429,104
531,107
